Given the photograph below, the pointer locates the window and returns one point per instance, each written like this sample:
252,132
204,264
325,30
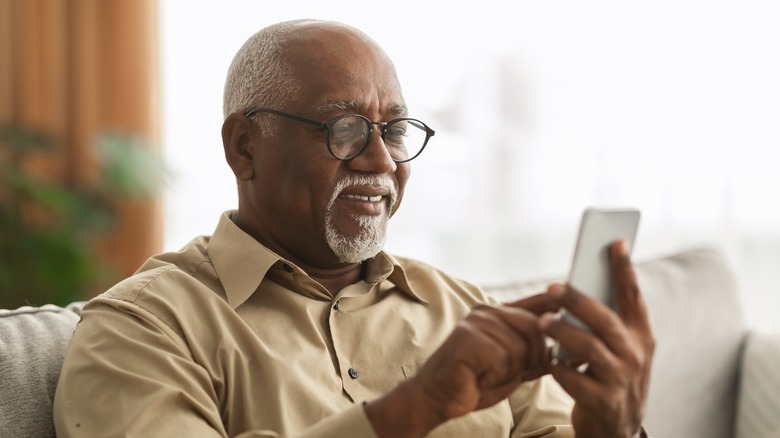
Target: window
538,113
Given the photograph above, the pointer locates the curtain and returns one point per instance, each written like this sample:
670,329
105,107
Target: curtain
73,69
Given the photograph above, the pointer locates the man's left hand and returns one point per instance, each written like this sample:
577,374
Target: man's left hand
610,394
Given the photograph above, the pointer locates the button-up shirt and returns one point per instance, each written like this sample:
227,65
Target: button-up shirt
226,338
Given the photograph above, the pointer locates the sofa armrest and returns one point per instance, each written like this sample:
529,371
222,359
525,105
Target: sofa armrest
759,390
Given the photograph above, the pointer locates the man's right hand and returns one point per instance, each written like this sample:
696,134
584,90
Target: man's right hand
485,358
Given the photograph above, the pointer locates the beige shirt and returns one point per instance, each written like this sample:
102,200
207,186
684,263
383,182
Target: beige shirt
225,338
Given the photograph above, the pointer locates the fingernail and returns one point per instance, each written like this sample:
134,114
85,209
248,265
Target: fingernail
623,247
546,320
556,290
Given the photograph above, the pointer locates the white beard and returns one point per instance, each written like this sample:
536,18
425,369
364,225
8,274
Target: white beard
371,239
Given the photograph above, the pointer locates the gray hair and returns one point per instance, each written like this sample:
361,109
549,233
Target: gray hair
260,75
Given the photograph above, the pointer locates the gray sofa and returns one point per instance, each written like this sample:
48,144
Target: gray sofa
712,376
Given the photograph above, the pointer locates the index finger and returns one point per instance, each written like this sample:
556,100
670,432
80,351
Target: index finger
630,305
537,304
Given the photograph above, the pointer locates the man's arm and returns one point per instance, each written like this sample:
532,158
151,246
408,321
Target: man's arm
127,373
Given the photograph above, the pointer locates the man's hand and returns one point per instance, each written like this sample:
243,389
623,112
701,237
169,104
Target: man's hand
610,395
486,357
492,351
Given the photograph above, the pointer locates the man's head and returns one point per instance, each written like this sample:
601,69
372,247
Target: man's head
294,195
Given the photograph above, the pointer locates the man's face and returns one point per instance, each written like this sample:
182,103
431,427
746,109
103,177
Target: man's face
310,206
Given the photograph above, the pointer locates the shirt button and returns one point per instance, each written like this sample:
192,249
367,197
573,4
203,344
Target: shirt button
287,267
337,305
353,373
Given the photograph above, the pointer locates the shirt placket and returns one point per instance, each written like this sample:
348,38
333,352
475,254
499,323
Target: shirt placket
355,372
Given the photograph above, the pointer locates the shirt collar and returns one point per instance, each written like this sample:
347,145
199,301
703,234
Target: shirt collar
385,266
241,263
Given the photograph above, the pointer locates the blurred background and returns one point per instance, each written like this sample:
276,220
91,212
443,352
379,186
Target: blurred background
81,174
541,110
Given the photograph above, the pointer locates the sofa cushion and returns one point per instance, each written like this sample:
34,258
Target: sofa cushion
697,321
33,341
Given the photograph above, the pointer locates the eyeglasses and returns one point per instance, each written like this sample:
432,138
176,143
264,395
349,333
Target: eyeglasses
349,134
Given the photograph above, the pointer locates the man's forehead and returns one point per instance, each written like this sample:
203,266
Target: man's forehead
342,70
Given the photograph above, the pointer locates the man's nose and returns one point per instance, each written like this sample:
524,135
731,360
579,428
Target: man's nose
375,157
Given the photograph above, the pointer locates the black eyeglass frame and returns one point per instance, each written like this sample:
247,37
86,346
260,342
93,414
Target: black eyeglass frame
328,124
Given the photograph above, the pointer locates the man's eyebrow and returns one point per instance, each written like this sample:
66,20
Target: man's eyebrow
399,110
341,105
354,106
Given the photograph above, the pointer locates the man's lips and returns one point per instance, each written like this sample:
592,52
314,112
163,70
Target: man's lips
362,197
369,196
365,193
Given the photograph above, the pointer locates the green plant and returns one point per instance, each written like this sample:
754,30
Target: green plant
48,228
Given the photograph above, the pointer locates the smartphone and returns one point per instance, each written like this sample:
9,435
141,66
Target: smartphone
591,271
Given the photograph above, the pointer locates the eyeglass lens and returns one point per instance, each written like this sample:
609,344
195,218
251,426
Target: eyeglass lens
403,138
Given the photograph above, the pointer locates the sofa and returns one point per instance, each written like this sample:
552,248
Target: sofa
712,376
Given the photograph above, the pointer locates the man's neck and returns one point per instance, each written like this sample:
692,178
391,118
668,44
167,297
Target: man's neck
334,280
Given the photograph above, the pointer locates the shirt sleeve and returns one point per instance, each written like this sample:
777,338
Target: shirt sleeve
541,408
352,422
126,373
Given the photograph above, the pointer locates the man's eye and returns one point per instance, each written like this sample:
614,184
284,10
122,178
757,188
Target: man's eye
344,128
348,130
395,134
399,131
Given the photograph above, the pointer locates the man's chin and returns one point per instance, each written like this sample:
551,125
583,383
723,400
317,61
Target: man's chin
351,253
361,240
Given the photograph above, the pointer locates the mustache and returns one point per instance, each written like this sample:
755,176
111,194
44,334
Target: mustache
383,181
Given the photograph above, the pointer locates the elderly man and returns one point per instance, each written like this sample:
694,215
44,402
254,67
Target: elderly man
290,320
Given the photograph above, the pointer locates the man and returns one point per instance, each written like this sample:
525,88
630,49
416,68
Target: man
291,321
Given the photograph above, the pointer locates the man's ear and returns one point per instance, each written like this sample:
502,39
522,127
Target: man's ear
236,132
